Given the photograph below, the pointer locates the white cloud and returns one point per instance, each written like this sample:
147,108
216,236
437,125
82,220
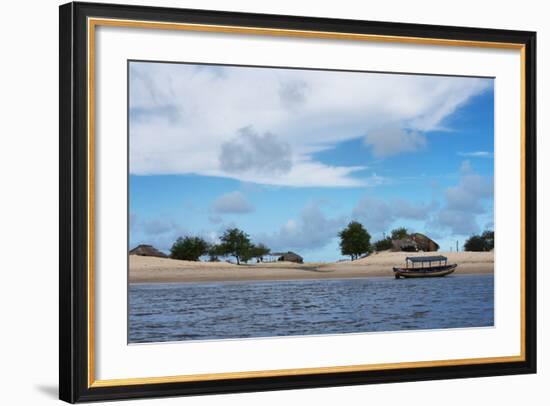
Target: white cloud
251,152
374,213
232,203
293,94
393,140
306,174
457,221
476,154
311,230
161,232
378,215
465,202
469,194
183,115
407,210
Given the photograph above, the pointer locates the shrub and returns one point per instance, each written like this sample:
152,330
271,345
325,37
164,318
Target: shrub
383,244
189,248
400,233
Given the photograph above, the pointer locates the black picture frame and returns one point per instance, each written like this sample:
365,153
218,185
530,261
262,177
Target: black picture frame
74,385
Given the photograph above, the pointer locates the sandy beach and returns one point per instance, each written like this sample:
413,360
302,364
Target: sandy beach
163,270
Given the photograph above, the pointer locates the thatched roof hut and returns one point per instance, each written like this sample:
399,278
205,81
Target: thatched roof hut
415,242
289,257
405,244
424,243
146,250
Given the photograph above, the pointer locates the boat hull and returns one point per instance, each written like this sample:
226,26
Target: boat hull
433,272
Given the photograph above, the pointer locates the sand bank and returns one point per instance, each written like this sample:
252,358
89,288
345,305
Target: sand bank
163,270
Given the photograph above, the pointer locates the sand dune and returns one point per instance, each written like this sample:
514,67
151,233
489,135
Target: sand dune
164,270
469,262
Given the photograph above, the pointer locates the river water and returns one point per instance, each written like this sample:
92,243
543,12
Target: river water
206,311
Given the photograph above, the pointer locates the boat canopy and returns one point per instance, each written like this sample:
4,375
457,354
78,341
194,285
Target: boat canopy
432,258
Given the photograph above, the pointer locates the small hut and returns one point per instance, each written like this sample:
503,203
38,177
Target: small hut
424,243
415,242
290,257
146,250
405,244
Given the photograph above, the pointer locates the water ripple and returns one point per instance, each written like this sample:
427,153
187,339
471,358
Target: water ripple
178,312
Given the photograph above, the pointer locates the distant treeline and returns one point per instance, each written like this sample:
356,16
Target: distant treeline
233,243
483,242
355,241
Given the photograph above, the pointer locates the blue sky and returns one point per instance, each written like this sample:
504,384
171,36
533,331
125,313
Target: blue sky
291,156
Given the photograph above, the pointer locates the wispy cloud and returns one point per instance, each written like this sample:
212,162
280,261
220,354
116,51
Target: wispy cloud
476,154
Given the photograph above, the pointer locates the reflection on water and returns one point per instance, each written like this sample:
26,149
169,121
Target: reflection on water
176,312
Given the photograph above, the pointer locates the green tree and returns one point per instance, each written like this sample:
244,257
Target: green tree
236,243
354,240
483,242
489,237
383,244
400,233
189,248
246,256
475,243
214,251
259,251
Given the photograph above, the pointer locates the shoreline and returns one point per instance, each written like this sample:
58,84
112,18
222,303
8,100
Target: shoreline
163,270
235,281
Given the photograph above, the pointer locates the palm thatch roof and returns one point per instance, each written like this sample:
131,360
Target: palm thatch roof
147,250
405,244
415,242
289,257
424,243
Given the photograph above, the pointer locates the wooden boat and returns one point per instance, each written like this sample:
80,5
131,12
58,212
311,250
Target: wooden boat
441,267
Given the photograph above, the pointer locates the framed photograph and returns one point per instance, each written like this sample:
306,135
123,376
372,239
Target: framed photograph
256,202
